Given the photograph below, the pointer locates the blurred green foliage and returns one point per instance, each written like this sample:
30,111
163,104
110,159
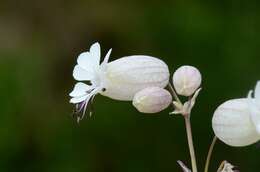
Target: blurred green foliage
39,44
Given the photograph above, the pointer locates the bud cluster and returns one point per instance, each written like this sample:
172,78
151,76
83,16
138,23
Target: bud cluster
186,82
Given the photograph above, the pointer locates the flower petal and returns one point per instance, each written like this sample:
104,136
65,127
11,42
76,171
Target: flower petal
76,100
81,74
90,60
95,52
80,89
85,98
107,56
105,61
87,61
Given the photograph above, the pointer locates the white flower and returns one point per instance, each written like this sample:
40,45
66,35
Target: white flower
254,106
89,69
186,80
152,100
232,123
119,79
237,122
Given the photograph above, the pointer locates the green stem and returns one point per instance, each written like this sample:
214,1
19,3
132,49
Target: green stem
190,143
210,153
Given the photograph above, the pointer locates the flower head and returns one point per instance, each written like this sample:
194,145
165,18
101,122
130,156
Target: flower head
120,79
88,68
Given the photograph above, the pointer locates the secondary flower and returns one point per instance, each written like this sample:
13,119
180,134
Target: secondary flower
237,122
119,79
152,100
186,80
233,125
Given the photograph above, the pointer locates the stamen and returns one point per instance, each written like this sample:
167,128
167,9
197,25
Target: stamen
89,91
91,105
82,108
78,109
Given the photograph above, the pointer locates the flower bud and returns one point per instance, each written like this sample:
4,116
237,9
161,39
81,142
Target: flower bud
233,125
152,100
186,80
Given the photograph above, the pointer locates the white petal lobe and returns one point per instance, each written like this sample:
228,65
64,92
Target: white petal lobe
104,63
80,89
81,74
95,52
87,61
76,100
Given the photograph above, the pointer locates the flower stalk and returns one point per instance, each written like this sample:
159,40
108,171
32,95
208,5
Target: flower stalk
210,153
185,110
190,143
174,94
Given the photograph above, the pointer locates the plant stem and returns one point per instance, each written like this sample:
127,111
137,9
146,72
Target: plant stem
188,131
190,143
209,154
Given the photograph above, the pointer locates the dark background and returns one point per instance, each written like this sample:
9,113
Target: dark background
39,44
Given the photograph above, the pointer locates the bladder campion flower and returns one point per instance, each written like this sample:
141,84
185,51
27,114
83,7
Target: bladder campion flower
232,123
237,122
119,79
